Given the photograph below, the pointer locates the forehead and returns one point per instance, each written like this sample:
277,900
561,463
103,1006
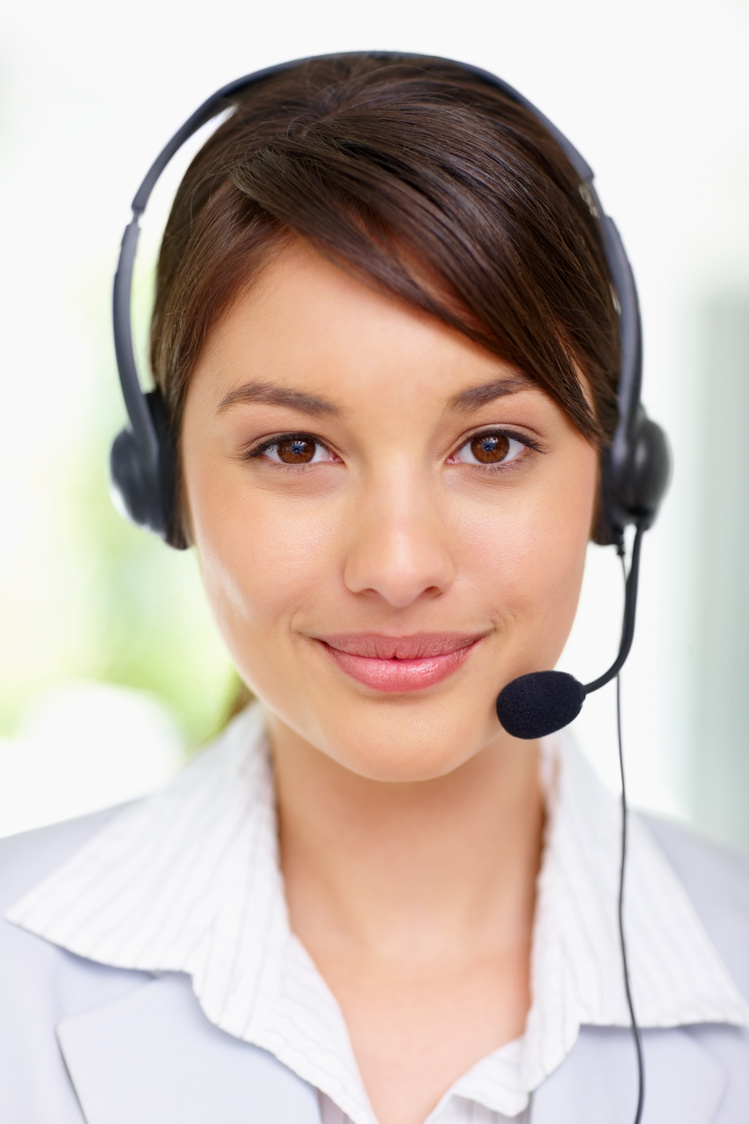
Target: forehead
311,334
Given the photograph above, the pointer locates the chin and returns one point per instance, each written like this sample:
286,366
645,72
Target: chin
400,740
415,756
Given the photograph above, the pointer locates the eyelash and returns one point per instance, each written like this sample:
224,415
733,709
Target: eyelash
272,442
503,466
511,435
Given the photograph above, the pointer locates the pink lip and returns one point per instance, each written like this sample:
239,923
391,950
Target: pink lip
397,664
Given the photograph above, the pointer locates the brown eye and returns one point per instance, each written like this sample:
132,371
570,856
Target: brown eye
292,449
490,448
296,450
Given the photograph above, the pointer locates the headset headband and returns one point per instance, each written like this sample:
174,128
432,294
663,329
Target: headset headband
147,431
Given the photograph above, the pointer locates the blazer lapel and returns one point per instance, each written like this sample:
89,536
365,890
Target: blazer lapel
154,1058
597,1084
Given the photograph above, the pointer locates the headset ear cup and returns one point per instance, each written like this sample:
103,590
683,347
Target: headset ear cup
131,484
171,532
632,488
650,470
141,491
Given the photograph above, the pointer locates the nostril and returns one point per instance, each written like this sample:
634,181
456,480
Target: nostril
398,584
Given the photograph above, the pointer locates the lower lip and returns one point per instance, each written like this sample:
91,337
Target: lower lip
399,676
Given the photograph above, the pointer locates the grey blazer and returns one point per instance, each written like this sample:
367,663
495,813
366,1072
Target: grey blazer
81,1043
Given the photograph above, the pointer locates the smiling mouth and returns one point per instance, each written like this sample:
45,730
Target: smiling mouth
399,664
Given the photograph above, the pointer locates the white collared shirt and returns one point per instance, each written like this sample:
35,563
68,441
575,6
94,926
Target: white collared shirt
188,880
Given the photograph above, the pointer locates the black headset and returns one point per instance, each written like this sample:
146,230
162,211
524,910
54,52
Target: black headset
635,466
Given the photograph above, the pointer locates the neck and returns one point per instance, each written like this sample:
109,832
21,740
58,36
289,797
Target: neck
445,867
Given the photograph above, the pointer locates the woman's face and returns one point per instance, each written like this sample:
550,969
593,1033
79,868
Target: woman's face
391,522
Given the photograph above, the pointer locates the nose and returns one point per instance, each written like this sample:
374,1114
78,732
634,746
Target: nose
399,544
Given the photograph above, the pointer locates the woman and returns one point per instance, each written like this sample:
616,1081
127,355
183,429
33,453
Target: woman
385,339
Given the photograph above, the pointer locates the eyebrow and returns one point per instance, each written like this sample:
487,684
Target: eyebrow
271,395
267,393
476,396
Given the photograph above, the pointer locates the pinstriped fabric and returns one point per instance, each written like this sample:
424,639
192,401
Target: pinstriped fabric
188,880
456,1111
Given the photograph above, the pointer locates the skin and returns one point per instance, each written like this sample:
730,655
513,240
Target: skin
410,822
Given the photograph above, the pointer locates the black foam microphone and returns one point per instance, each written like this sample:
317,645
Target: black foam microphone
542,702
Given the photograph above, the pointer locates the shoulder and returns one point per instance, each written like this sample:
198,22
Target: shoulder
41,984
25,860
716,878
29,965
28,858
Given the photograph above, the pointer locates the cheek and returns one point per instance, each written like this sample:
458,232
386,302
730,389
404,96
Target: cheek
530,565
262,562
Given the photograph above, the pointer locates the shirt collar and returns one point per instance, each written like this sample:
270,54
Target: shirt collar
188,880
676,974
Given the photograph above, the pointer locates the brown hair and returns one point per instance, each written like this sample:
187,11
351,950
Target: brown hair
401,171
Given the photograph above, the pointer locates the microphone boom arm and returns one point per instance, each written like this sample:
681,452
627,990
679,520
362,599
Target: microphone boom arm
630,610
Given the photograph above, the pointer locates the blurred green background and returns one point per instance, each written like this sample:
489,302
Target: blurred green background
84,595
